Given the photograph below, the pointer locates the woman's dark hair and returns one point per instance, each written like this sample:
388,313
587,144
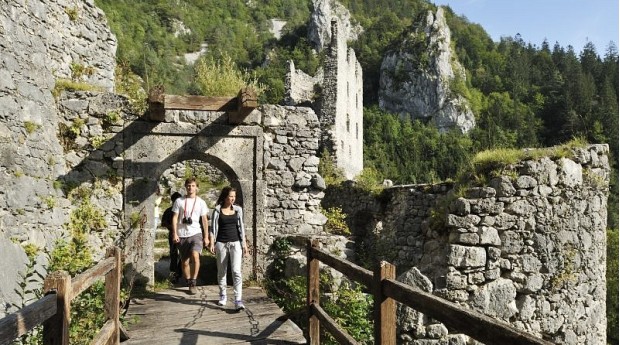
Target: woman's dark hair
224,194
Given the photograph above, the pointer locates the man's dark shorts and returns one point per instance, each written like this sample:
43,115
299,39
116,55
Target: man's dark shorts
189,244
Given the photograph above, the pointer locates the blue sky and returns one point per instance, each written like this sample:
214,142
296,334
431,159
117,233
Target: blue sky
569,22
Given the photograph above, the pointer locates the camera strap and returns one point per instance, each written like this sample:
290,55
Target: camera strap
185,209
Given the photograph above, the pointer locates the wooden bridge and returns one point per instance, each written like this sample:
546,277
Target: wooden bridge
174,317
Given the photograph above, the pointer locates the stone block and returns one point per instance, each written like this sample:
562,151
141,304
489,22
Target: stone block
464,238
489,235
436,331
496,299
462,256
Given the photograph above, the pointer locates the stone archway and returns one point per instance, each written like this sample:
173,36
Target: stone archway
151,148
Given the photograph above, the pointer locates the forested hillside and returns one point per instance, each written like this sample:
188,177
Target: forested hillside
522,94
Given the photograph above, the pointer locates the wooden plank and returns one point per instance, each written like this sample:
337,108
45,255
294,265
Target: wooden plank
112,294
106,333
332,327
349,269
469,322
56,328
204,103
314,296
384,307
19,323
178,318
87,278
238,108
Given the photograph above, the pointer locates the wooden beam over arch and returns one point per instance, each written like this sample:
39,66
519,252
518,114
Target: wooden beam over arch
238,108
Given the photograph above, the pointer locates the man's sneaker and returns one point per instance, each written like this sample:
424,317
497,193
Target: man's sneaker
239,305
192,286
222,301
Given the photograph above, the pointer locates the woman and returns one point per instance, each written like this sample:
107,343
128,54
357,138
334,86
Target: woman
227,236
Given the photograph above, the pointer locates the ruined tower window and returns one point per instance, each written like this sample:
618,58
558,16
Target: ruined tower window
357,130
357,101
347,89
349,151
342,144
348,123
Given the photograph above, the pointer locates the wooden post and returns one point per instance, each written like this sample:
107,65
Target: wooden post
246,103
56,329
313,294
384,307
112,293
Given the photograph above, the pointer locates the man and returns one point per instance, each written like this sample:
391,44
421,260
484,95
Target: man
187,233
166,221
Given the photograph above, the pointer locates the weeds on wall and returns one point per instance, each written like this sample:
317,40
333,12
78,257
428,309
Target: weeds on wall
71,85
72,12
31,126
328,169
336,223
129,84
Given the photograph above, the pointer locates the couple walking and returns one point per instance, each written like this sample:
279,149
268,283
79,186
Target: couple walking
226,237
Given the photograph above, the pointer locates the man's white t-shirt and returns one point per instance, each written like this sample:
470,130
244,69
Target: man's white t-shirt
193,208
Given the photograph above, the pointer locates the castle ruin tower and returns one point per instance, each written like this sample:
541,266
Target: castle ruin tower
341,115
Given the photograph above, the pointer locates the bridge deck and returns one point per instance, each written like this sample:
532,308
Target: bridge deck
174,317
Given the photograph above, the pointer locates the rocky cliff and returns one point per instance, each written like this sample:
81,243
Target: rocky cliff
416,77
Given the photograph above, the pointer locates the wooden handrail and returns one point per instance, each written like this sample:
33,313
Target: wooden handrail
469,322
386,290
331,325
19,323
53,311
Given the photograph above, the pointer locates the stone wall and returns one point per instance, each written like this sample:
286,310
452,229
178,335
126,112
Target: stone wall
529,248
40,40
294,189
341,114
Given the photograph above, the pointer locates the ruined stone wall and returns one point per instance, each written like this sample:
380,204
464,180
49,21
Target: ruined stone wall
294,189
529,248
341,114
40,40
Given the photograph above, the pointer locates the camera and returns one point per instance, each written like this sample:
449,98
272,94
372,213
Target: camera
187,220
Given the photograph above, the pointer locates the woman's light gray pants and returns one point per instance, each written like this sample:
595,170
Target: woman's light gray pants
229,251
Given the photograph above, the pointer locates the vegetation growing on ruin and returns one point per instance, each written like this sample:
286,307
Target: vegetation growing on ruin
71,85
336,223
222,77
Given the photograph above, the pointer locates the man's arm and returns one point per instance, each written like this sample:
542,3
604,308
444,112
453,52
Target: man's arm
205,230
175,235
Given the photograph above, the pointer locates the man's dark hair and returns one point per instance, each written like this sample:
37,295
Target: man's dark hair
175,196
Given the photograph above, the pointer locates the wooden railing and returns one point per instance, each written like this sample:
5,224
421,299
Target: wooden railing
386,292
53,311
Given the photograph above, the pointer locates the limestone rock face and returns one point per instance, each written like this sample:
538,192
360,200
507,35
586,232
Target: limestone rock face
415,79
325,11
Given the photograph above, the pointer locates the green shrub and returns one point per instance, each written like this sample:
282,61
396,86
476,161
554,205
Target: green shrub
331,173
130,84
223,77
369,179
336,223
